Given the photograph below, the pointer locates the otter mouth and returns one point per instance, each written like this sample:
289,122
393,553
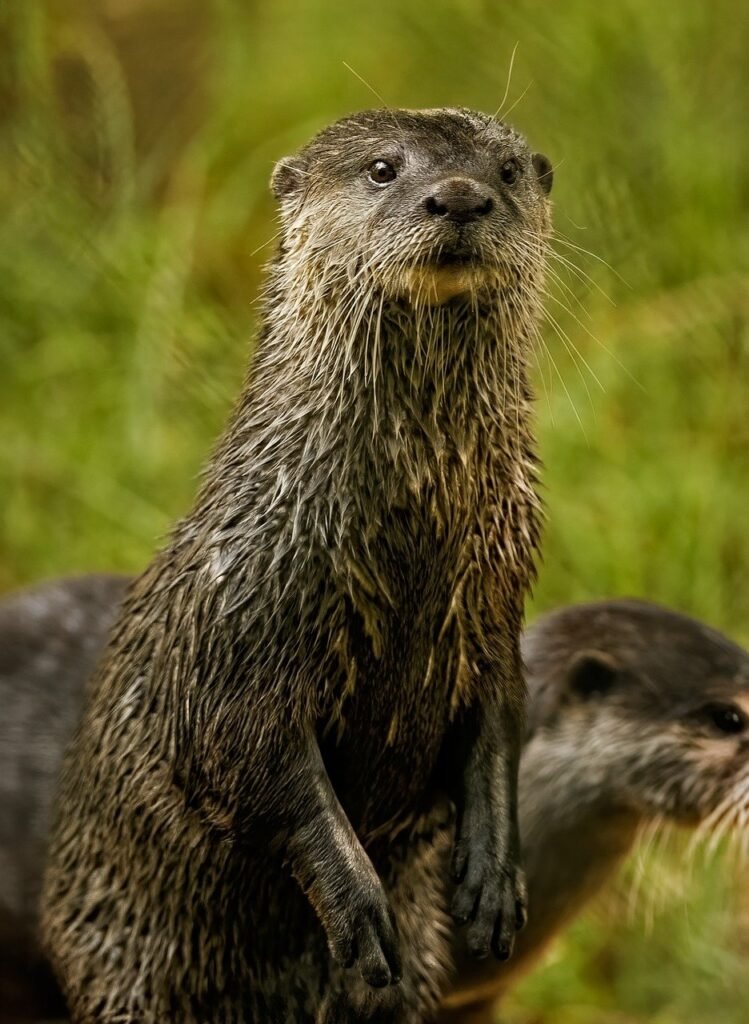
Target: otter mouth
444,272
457,258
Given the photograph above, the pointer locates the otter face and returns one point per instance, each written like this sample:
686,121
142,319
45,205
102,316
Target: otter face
429,204
659,704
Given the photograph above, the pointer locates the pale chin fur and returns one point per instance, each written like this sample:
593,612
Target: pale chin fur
434,286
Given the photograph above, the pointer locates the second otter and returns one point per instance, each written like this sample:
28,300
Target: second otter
637,713
330,641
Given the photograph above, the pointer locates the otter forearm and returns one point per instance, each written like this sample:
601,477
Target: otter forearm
489,781
338,878
490,889
303,821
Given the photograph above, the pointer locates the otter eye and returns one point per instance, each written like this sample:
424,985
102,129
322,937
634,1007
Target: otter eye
381,172
726,718
509,172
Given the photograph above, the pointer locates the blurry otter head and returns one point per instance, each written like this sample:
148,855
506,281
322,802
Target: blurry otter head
655,702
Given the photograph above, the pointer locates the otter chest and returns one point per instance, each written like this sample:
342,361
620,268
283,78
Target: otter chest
399,660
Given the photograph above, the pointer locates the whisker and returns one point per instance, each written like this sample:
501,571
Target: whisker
580,274
572,348
512,106
364,82
564,240
561,381
509,79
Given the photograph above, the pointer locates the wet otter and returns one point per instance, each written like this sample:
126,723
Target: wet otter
328,646
673,693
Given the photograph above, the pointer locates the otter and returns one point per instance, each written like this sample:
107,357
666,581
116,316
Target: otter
672,693
325,657
637,713
51,636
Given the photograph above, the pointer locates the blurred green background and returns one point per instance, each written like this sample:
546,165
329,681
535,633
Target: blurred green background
136,142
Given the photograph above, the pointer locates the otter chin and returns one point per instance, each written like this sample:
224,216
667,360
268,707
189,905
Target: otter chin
435,284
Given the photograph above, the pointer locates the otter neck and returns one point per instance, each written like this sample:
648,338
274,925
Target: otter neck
365,379
574,839
572,813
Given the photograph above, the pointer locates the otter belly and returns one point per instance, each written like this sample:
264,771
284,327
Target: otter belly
382,766
389,729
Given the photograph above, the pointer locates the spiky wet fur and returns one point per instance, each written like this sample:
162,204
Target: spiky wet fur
354,568
657,761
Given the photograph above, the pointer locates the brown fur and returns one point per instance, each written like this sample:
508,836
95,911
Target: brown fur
639,682
329,643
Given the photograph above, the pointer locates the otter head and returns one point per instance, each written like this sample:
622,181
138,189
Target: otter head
652,706
426,205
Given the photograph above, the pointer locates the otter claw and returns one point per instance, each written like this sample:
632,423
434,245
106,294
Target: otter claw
521,914
365,938
491,896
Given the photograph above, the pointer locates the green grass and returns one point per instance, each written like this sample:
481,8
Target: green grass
135,152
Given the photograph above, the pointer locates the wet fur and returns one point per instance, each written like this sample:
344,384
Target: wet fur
328,645
644,725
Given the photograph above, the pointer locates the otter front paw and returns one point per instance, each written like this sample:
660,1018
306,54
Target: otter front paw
490,889
345,891
361,934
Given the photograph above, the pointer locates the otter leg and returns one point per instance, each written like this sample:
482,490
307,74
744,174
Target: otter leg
291,808
416,885
340,881
490,890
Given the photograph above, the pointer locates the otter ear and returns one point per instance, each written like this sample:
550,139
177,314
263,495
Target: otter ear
544,170
591,674
288,176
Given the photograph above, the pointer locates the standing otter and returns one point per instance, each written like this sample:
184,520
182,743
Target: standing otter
671,693
329,644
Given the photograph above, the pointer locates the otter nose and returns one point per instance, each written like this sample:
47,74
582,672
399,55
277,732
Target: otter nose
460,200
